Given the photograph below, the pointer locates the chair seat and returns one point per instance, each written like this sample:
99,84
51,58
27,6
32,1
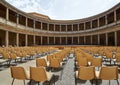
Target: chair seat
2,60
97,73
49,75
28,74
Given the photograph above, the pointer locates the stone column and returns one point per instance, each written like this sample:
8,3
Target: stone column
34,40
26,40
34,24
41,41
84,27
54,28
84,40
115,38
66,40
106,39
98,39
26,22
78,40
72,39
17,20
48,40
60,40
54,40
7,14
72,27
7,38
41,26
47,26
17,39
106,22
78,27
98,22
115,15
91,40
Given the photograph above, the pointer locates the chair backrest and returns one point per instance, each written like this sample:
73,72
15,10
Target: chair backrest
6,55
18,73
82,61
117,56
109,73
38,74
41,62
54,63
97,62
86,73
13,56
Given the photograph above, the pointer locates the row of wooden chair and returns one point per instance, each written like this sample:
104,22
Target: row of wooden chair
38,74
89,73
21,53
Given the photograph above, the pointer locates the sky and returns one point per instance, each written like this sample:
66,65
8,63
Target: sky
64,9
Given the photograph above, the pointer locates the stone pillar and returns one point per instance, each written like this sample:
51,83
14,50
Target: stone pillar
7,14
106,39
72,27
106,22
60,27
54,28
48,40
72,40
78,40
41,41
17,19
66,40
66,27
84,40
17,39
84,27
54,40
34,24
47,26
91,40
26,40
7,38
41,26
115,38
115,15
26,22
60,40
34,40
98,39
98,22
78,27
90,24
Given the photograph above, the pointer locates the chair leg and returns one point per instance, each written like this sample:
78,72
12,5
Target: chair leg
24,82
109,82
30,82
117,81
92,82
38,83
48,82
75,81
13,81
96,81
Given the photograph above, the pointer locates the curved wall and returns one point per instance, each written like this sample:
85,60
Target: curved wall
22,29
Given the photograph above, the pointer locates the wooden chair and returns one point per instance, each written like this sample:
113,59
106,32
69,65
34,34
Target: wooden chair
85,73
19,73
108,73
97,62
41,62
39,74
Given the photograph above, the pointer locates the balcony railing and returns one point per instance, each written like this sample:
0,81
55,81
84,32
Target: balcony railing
2,20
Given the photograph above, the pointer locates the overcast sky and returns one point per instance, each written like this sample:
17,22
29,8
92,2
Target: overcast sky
64,9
